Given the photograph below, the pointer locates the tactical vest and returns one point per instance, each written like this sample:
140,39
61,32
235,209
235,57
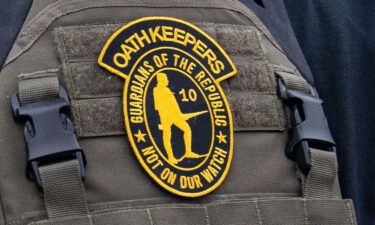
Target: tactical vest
160,112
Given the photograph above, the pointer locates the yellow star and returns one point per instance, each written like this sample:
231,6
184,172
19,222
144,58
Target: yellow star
221,137
140,136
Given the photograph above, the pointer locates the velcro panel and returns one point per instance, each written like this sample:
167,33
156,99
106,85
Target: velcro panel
264,111
101,116
270,212
84,42
251,76
238,40
97,111
88,80
104,116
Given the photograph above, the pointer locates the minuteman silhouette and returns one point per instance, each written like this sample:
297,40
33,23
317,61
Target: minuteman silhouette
170,114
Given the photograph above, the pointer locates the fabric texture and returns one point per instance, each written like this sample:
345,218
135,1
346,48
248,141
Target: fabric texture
294,82
320,180
38,87
113,173
64,194
337,38
12,16
273,14
261,149
251,93
258,211
319,183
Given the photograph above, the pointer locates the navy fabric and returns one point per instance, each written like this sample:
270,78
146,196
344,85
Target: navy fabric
338,40
274,16
336,37
12,16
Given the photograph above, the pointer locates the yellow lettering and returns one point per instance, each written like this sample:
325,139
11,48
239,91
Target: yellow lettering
152,157
189,38
136,119
120,60
179,35
192,182
168,175
200,76
155,34
207,175
167,33
142,38
199,48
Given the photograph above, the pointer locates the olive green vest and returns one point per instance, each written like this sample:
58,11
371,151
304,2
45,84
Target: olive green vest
59,46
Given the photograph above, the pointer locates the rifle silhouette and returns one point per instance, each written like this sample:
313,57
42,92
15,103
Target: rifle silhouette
187,116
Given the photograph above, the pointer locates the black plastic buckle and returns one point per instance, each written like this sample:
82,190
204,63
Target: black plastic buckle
49,134
310,128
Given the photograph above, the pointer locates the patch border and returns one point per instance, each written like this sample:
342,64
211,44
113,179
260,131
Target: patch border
125,76
217,82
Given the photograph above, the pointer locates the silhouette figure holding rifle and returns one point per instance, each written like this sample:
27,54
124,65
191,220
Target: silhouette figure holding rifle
170,114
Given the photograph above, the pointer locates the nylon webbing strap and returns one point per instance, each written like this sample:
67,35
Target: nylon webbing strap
34,88
63,189
294,82
64,194
320,181
238,212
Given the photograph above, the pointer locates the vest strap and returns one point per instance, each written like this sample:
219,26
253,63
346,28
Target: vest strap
320,181
55,160
37,88
293,82
64,194
311,144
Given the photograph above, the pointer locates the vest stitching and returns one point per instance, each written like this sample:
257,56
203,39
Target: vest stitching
347,202
25,33
305,212
239,7
332,183
54,70
207,216
258,212
350,212
15,222
70,77
90,219
150,217
58,3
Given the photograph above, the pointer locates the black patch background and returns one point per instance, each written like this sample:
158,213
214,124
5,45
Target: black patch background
201,125
202,128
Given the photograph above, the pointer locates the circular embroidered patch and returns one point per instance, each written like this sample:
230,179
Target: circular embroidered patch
176,114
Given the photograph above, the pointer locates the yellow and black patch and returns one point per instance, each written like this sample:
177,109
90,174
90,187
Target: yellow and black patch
177,117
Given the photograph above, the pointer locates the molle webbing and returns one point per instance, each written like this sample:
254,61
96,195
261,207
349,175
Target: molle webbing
261,212
63,191
38,87
66,204
294,82
64,194
96,94
321,178
320,181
